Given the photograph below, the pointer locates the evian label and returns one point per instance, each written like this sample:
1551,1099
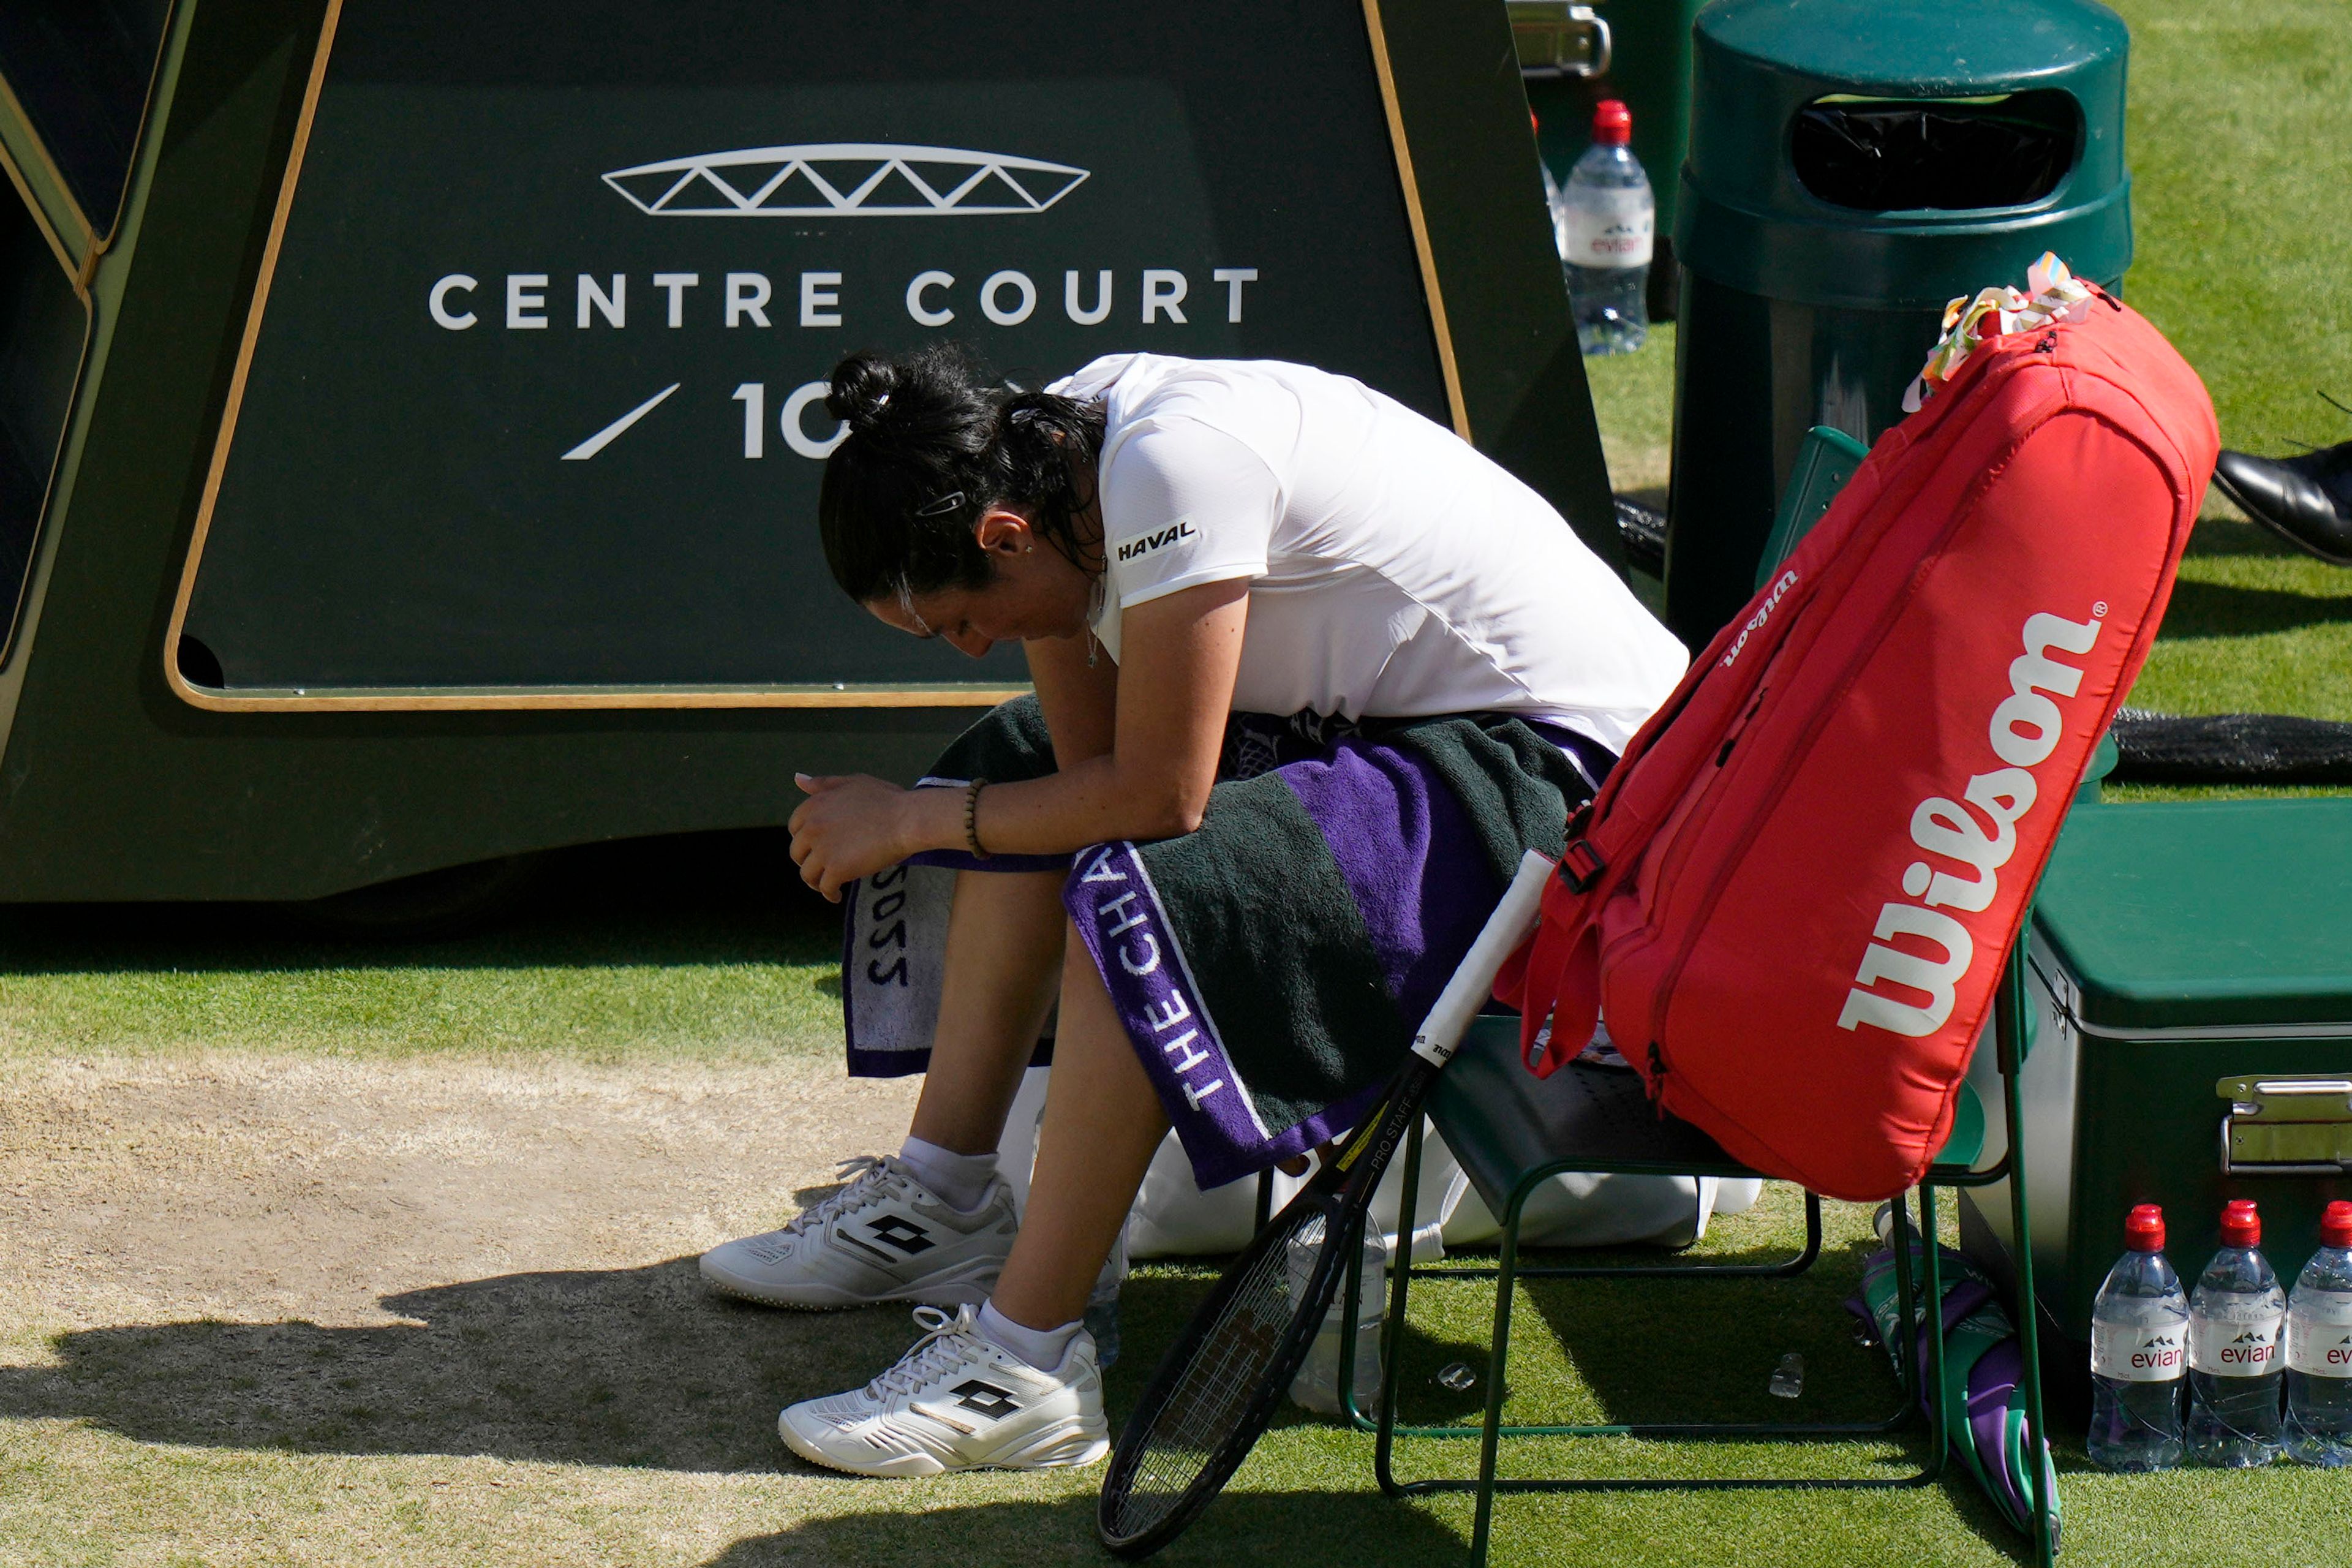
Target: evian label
2235,1350
2130,1354
2316,1346
1966,842
1609,229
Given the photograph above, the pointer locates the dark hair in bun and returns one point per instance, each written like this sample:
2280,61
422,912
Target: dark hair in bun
932,444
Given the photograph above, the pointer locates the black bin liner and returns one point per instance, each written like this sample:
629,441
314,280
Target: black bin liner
1889,155
2230,748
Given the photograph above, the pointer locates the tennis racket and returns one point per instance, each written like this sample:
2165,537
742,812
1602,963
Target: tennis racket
1220,1382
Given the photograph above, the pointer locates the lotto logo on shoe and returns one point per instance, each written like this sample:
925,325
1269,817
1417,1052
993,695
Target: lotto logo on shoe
984,1399
2234,1350
2025,729
2130,1354
901,1233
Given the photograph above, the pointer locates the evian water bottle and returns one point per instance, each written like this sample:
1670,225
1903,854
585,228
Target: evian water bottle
1606,215
1317,1387
2236,1318
2139,1344
2319,1349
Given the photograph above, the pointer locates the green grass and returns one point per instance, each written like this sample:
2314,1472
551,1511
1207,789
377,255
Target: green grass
2241,155
515,1420
1633,397
704,949
2240,159
625,1416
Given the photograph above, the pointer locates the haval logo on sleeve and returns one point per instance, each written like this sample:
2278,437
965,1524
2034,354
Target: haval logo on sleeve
1966,848
845,179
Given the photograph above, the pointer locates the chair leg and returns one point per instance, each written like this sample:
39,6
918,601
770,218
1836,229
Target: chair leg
1490,1436
1903,1349
1939,1446
1393,1331
2009,1026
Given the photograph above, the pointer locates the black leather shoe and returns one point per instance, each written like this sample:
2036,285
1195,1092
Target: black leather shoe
2305,501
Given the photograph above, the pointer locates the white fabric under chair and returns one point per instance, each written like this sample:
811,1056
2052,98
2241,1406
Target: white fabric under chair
1173,1218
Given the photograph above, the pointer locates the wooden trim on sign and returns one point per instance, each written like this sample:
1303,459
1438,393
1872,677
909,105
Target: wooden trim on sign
480,697
199,696
1412,186
14,107
41,217
96,243
12,633
146,116
505,698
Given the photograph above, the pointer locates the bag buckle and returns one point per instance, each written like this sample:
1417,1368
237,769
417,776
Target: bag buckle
1581,865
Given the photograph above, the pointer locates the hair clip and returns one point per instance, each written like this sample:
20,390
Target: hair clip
942,507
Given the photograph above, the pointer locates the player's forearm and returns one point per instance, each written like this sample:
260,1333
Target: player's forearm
1092,803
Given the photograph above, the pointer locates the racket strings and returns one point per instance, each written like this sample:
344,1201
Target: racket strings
1190,1429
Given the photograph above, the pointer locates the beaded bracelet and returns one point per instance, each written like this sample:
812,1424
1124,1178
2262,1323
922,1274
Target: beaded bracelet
971,817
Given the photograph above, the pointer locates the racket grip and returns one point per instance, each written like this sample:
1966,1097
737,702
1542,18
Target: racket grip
1511,924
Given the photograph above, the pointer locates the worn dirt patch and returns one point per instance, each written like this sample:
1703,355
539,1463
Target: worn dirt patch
275,1308
364,1257
255,1187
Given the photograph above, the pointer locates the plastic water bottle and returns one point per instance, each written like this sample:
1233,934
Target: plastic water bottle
2319,1349
1317,1387
1608,212
1555,200
2236,1318
2139,1335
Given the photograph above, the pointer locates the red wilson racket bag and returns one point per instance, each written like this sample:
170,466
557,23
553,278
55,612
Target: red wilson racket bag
1793,898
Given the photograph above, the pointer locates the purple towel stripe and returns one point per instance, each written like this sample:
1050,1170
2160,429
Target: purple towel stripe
1387,821
1119,916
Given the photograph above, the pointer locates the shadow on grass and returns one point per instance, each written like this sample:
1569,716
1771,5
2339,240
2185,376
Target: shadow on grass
1291,1529
2229,609
638,1367
2221,536
1728,1338
1602,1357
703,897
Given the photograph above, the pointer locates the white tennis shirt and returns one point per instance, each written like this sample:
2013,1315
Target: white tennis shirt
1395,570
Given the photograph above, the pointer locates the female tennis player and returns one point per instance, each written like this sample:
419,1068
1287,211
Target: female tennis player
1311,674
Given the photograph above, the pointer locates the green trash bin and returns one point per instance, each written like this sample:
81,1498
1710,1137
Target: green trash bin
1854,165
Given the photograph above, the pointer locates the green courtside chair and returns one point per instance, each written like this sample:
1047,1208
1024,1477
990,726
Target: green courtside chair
1512,1132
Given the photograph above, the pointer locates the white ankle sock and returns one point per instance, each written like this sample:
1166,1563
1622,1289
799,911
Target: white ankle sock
960,1179
1041,1348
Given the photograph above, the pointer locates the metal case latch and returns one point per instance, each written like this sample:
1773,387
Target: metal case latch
1556,40
2286,1126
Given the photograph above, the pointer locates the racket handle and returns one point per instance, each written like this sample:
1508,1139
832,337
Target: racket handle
1513,920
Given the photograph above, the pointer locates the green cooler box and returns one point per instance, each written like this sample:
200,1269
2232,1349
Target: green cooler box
2190,1042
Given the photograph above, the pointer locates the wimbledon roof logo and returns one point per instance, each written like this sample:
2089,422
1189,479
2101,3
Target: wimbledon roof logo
845,179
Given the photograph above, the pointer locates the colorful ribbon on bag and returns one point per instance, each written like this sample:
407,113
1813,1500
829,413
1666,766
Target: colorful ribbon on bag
2051,294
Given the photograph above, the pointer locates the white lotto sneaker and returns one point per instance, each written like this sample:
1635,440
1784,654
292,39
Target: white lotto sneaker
883,1236
956,1402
